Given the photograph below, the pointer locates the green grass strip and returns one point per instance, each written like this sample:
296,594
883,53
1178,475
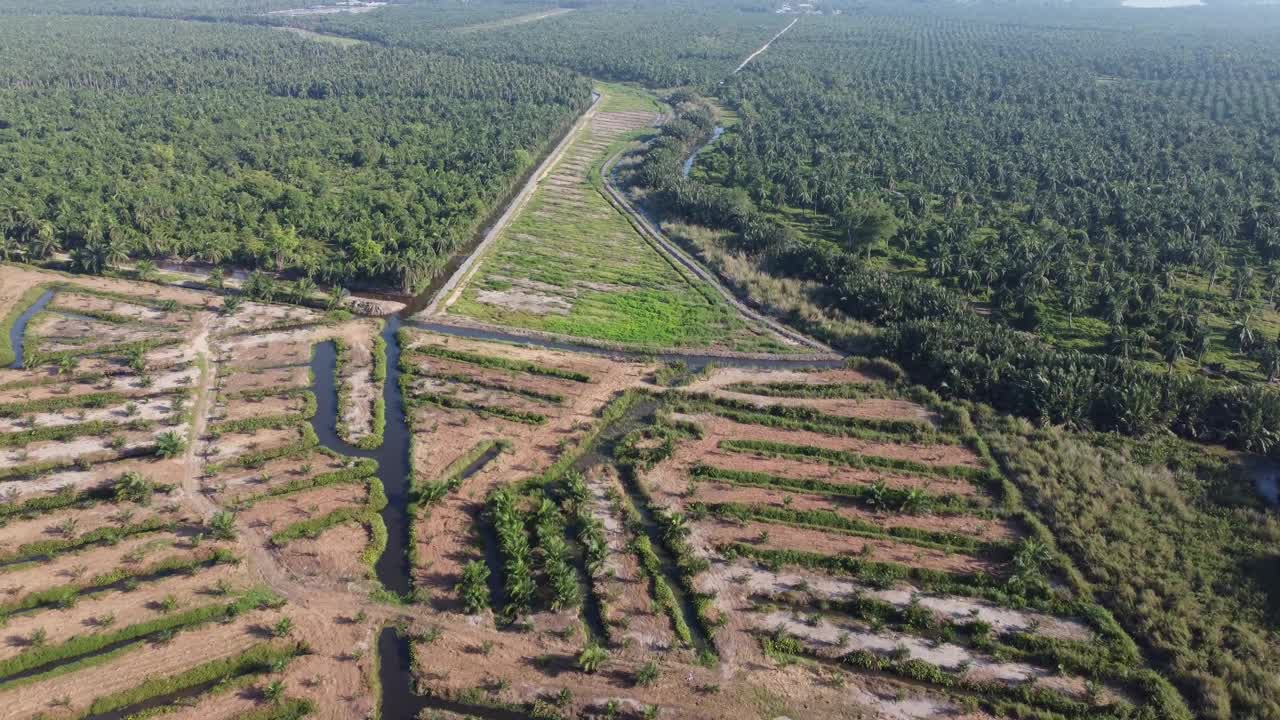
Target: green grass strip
105,535
805,418
101,315
877,574
265,422
65,497
263,393
154,303
834,391
451,479
486,384
66,432
828,520
41,657
313,527
924,672
877,496
662,593
364,468
84,462
67,595
501,363
849,458
110,349
453,403
288,709
7,353
307,444
612,412
257,660
54,404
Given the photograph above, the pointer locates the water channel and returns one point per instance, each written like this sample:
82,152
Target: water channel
687,167
19,329
392,568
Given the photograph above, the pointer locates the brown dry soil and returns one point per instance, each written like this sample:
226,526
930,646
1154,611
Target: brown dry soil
328,590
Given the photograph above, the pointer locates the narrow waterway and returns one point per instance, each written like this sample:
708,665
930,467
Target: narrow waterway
687,167
392,568
19,329
400,702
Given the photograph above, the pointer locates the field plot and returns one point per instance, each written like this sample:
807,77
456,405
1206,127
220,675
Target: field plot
194,521
128,580
828,523
571,264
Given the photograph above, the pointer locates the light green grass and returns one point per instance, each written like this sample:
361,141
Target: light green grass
595,275
625,98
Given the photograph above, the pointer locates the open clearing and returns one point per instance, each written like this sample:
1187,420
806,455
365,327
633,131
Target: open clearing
571,264
193,517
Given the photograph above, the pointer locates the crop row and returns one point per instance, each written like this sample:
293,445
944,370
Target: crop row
491,361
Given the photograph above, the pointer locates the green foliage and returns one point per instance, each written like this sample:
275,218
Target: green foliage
474,587
170,444
67,432
360,470
49,656
267,422
258,660
795,417
457,378
133,487
554,550
648,674
849,458
223,525
229,199
834,521
513,544
592,658
876,496
1183,575
455,403
103,535
500,363
54,404
663,596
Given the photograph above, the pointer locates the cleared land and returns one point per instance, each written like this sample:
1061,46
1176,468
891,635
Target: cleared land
572,264
588,536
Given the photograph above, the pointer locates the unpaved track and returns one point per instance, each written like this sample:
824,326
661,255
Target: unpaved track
764,47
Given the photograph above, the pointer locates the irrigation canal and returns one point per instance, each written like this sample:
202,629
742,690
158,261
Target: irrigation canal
19,329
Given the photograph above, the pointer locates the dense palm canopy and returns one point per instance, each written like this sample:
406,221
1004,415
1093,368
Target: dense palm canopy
221,143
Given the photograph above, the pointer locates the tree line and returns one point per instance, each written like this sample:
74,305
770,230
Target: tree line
935,334
224,144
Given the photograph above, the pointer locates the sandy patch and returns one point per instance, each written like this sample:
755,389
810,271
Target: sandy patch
525,301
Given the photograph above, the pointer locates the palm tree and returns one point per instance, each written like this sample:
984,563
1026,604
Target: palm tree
593,657
1242,333
9,248
1172,347
170,445
273,691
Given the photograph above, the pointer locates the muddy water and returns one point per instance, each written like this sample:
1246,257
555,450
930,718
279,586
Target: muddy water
392,567
19,329
400,702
